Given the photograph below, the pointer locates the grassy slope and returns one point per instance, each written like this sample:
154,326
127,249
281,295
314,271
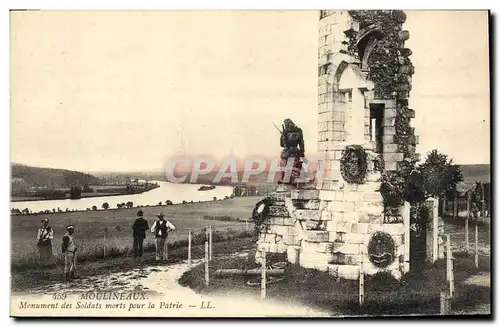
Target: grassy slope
90,225
49,176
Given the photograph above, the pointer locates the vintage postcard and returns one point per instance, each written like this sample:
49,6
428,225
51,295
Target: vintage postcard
252,164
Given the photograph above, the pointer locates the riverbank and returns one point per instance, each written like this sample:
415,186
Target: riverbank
98,193
166,193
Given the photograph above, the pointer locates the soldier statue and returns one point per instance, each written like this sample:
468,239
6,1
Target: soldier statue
292,142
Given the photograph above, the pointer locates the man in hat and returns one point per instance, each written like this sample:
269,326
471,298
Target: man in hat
160,228
69,250
140,227
44,237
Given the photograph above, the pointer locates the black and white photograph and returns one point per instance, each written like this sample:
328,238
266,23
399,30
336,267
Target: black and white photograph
250,163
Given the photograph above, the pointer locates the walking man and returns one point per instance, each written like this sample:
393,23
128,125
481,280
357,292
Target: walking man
160,228
69,250
44,237
140,227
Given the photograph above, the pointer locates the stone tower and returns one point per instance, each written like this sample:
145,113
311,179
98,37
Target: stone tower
364,79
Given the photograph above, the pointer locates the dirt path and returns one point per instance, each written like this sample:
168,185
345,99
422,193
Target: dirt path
159,286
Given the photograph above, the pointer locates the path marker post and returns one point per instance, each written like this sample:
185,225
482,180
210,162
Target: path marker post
207,277
449,265
444,301
189,250
361,278
476,250
263,276
467,222
210,243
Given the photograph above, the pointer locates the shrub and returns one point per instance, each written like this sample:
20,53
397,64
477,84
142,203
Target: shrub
75,192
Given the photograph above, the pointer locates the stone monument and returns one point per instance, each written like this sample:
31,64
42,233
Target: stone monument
364,78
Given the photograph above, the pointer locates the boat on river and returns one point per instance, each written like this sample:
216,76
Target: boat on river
206,187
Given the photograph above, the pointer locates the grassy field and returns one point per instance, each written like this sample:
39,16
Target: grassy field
91,225
224,243
455,227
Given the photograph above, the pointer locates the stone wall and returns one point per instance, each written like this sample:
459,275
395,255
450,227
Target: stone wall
325,231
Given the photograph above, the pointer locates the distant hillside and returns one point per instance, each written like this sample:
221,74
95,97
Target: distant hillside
476,173
55,178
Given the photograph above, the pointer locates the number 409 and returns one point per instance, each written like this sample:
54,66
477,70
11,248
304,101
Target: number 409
59,296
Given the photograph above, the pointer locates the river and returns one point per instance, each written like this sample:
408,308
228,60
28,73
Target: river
167,191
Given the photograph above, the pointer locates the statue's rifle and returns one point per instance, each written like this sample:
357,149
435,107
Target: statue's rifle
277,128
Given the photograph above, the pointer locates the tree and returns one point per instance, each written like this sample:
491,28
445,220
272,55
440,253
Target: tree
436,177
439,176
168,203
94,208
105,206
15,211
75,192
215,198
130,204
159,203
119,205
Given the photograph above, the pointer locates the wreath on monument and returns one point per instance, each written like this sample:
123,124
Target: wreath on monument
260,212
353,164
381,249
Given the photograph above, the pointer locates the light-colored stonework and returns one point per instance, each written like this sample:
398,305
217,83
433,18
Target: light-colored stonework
330,228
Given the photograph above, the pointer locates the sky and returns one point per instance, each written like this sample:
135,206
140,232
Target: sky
125,91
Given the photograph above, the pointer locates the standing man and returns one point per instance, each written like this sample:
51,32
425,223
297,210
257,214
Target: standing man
140,227
161,228
44,243
69,250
